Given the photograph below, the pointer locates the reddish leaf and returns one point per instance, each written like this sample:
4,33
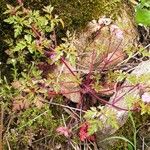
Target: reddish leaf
83,133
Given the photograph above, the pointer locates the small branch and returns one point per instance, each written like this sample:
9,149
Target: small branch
56,104
58,93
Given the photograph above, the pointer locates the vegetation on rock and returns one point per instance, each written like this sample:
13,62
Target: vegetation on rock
73,85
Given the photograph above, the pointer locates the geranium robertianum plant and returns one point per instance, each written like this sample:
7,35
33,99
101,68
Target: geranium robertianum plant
45,68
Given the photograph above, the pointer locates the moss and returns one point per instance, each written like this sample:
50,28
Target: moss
76,13
127,131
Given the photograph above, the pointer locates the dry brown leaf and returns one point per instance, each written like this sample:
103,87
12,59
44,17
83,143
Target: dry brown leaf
19,104
16,84
71,86
38,101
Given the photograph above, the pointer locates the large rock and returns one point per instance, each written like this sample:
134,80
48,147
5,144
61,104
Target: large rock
121,115
103,44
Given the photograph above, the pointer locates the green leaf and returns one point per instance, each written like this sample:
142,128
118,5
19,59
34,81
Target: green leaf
48,9
32,47
20,46
130,147
17,31
10,20
94,126
145,3
28,38
42,21
91,113
142,16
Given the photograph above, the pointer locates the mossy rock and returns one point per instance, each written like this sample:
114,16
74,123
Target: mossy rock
76,13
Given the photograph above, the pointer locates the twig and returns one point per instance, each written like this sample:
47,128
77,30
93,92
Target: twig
58,93
8,144
61,105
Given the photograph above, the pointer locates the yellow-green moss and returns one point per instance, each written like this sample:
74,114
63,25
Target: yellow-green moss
76,13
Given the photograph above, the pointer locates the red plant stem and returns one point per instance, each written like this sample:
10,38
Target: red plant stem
108,61
119,98
92,93
105,91
110,39
35,31
116,58
114,51
55,40
62,59
91,67
107,52
106,102
113,89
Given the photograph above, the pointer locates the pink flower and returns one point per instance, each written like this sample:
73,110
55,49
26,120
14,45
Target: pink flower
117,31
146,97
63,131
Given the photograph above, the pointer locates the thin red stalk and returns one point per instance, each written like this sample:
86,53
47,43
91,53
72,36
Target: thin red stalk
91,68
113,89
62,59
105,102
107,49
109,45
55,40
115,59
119,98
35,31
105,90
108,61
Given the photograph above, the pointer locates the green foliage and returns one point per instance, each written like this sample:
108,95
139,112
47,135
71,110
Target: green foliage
145,108
25,93
143,13
35,44
98,118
